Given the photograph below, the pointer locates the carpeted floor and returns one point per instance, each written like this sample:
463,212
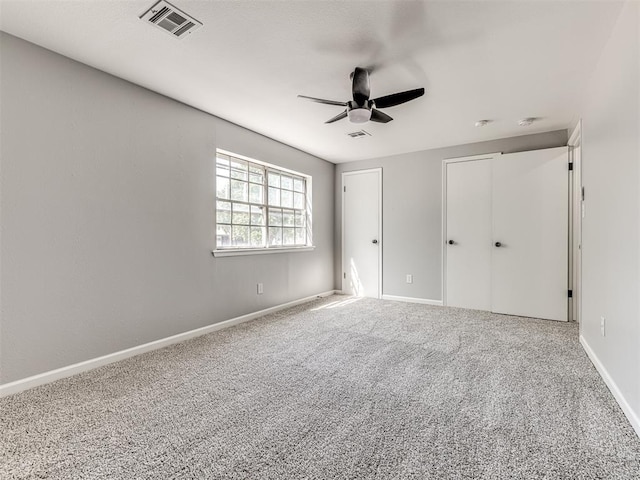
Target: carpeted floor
335,389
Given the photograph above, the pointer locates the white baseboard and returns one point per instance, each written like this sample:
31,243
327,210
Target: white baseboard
64,372
412,300
632,416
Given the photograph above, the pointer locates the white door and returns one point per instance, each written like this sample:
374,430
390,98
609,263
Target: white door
468,234
529,275
362,233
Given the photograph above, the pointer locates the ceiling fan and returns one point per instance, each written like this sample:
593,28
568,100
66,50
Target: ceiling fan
361,109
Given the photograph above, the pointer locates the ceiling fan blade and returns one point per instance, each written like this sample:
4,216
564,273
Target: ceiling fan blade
322,100
340,116
398,98
360,87
378,116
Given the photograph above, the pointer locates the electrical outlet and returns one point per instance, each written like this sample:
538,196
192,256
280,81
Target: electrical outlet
260,289
409,278
602,326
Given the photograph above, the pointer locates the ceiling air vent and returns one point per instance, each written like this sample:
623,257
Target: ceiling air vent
173,21
359,134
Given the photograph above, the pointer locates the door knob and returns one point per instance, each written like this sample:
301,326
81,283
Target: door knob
498,244
374,241
451,242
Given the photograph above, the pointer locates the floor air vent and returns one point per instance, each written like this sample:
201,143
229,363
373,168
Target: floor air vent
173,21
359,134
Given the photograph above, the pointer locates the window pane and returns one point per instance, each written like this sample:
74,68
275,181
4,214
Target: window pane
274,179
274,196
286,199
255,193
222,160
275,236
257,236
275,217
223,212
258,206
240,214
239,191
257,215
301,236
222,187
240,236
256,174
287,218
288,236
286,182
222,171
223,235
238,169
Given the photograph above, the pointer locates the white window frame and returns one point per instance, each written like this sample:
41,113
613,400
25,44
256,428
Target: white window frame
231,250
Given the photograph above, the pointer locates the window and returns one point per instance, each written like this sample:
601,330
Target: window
259,206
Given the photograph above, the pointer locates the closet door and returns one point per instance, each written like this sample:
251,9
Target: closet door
468,234
530,201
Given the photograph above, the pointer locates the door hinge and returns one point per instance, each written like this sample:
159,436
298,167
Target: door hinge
344,275
345,189
583,194
570,292
570,165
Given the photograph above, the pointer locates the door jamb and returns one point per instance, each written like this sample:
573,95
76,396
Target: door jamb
380,218
575,224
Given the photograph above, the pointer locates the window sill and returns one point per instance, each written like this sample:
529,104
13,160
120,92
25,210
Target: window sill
232,252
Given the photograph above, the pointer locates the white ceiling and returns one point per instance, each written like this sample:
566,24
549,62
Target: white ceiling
498,60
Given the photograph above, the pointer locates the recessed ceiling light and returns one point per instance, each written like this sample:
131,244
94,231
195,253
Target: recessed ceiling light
482,123
525,122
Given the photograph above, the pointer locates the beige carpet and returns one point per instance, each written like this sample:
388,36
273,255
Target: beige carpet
334,389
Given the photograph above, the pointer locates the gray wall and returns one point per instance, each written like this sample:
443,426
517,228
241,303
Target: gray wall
412,211
107,199
611,227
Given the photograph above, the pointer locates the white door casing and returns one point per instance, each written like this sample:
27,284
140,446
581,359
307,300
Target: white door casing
362,233
577,214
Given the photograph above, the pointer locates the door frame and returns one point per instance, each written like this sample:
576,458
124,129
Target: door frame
445,162
575,224
378,171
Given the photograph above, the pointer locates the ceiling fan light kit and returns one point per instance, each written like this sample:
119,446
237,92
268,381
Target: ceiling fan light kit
361,109
359,115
